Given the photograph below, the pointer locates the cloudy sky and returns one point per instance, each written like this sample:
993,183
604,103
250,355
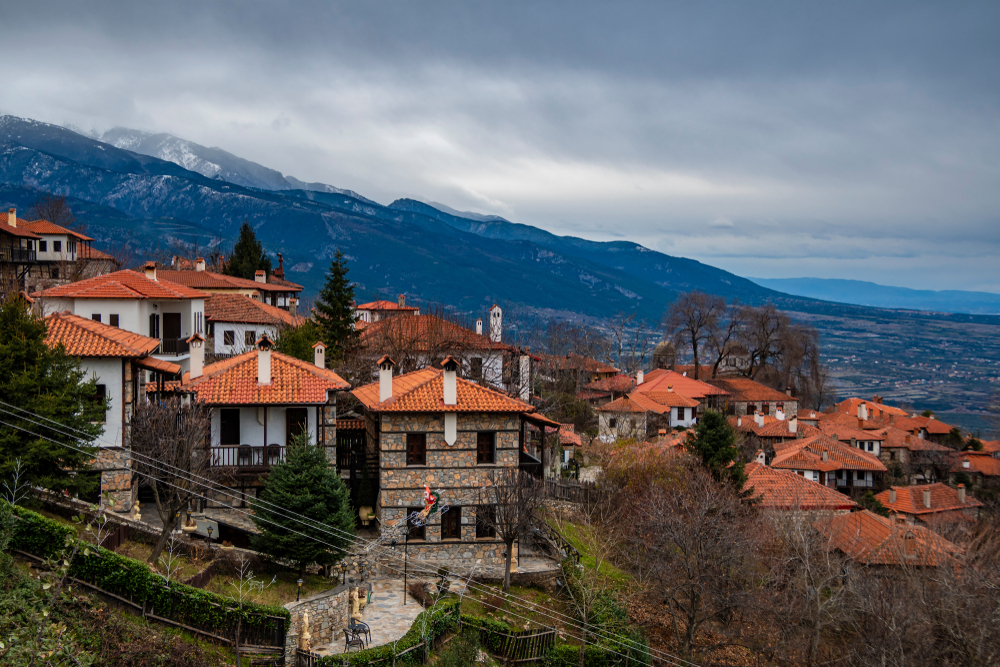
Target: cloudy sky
772,139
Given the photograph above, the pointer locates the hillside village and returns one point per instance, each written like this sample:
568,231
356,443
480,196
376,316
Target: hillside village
421,422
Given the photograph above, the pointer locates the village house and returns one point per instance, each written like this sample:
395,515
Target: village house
708,396
935,506
114,357
605,389
885,542
976,467
784,490
236,321
578,370
919,459
643,415
375,311
829,462
848,433
18,251
60,255
260,401
431,427
138,302
273,290
745,397
769,430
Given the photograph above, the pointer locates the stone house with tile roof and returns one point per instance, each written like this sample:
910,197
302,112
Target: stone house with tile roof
273,290
117,359
777,489
885,542
642,415
374,311
830,462
18,252
935,506
431,427
661,380
236,321
922,461
745,397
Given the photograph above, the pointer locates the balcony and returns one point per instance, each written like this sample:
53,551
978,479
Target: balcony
247,456
174,346
17,255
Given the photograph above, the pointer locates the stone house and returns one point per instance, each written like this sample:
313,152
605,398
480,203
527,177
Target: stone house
642,416
936,506
921,460
829,462
236,321
745,397
115,357
430,427
660,380
18,251
374,311
776,489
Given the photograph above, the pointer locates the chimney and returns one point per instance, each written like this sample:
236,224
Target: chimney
793,424
862,411
966,464
385,366
639,377
260,276
319,354
149,270
779,414
961,493
199,264
826,456
739,421
479,326
907,438
293,306
892,419
927,498
264,345
759,418
12,217
861,424
524,391
402,301
788,391
892,496
496,324
197,343
854,442
279,272
670,388
450,380
662,431
761,459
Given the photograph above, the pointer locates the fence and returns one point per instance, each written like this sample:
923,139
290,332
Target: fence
116,538
516,647
573,492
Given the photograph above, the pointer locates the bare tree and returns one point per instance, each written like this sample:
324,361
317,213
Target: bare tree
171,439
723,338
692,319
55,209
508,504
630,342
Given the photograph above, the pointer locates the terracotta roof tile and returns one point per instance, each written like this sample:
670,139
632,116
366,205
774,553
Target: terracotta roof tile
910,499
46,227
87,338
241,308
425,333
894,438
844,432
89,252
807,454
875,540
617,383
423,391
384,305
234,382
979,462
682,385
745,389
21,230
209,280
669,399
123,285
875,410
785,490
573,361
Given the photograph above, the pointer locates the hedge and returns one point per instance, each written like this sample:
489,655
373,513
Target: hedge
132,580
441,618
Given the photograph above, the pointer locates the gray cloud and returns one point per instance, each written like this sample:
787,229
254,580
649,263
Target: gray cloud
772,139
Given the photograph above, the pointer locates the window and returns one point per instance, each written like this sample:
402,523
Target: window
96,317
100,395
54,273
613,423
250,337
57,246
486,445
154,326
71,245
415,532
892,456
451,524
860,475
476,368
198,322
694,413
484,515
871,446
765,409
416,449
113,319
229,422
228,337
43,246
751,408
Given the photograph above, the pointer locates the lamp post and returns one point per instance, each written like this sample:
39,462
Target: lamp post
298,590
209,536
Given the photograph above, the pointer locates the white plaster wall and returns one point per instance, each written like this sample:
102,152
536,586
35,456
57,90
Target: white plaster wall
808,474
239,330
50,255
108,371
688,420
252,427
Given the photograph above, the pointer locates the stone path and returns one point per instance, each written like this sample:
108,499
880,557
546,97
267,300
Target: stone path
386,615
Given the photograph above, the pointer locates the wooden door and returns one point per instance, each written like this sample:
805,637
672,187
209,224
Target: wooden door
296,422
172,326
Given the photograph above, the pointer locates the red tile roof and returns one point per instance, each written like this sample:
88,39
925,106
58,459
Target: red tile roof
682,385
632,405
576,362
772,428
991,446
89,252
46,227
910,499
617,383
209,280
807,454
241,308
933,426
123,285
894,438
21,230
424,333
844,432
875,540
568,436
785,490
668,399
875,410
745,389
979,462
384,305
234,382
82,337
423,391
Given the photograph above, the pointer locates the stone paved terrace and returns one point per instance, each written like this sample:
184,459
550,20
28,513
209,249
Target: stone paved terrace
386,615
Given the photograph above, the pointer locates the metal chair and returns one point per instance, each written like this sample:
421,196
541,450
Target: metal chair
359,628
352,639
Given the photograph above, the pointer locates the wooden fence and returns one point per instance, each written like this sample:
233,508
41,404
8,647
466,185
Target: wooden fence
517,647
573,492
116,538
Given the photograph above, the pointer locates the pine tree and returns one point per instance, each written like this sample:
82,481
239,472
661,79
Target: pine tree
248,255
298,341
305,487
50,384
335,309
715,443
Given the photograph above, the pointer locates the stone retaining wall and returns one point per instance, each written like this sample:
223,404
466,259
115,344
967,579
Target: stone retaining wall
328,614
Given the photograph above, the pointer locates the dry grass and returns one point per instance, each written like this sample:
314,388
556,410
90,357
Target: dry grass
530,603
139,551
283,589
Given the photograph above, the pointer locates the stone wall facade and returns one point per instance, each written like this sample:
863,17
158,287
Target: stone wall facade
451,470
328,615
117,478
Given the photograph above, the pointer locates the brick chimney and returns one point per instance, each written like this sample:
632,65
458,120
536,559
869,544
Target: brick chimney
199,264
385,366
149,270
401,300
892,496
197,343
279,272
861,424
319,354
260,276
961,493
264,345
12,217
927,498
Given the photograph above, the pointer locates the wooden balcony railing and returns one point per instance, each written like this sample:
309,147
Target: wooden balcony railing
19,255
248,456
174,346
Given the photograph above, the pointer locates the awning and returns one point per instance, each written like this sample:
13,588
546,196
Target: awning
158,365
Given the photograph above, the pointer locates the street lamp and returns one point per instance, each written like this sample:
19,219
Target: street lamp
209,536
298,590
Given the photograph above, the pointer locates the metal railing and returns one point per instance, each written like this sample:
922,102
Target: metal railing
248,456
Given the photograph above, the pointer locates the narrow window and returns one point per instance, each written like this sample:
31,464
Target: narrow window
486,448
612,423
43,246
476,369
229,422
694,413
484,519
451,524
415,532
100,395
765,409
416,449
751,408
250,337
229,337
57,246
113,319
54,273
96,317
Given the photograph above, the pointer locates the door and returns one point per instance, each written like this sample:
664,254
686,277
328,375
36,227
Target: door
296,423
172,326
